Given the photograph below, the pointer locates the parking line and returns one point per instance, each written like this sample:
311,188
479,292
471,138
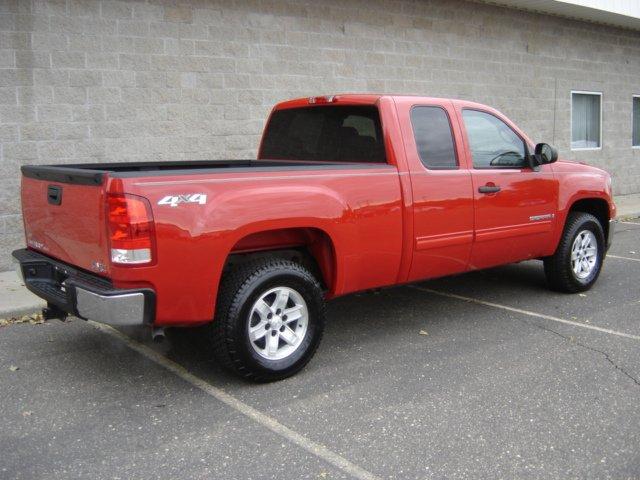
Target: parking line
629,223
310,446
527,312
623,258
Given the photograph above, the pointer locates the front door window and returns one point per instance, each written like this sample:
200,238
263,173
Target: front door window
491,142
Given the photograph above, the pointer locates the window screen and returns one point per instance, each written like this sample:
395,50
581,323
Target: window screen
585,120
492,142
434,141
325,133
636,121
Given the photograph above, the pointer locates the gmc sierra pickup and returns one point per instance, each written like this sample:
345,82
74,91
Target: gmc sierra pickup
349,192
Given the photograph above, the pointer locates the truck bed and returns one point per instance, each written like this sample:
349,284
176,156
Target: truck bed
93,173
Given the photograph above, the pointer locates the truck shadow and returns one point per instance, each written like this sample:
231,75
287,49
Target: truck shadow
355,322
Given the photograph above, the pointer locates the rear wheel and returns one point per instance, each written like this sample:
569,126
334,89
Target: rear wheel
269,320
577,262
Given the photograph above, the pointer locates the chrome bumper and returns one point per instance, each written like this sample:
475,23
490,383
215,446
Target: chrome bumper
120,309
84,295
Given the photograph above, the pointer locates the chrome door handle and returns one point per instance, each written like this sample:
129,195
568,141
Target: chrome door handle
489,189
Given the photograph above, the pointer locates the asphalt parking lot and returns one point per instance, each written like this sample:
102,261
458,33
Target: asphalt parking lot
484,375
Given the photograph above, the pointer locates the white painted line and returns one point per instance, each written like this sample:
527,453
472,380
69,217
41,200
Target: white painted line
527,312
628,223
623,258
310,446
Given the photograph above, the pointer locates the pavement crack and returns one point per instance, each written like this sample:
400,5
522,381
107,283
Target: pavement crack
592,349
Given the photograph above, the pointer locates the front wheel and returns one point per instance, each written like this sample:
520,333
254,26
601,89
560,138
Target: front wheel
577,262
269,320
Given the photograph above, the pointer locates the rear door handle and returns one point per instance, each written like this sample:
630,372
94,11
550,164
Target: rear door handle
489,189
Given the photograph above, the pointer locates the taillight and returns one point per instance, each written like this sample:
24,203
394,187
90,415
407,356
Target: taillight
131,229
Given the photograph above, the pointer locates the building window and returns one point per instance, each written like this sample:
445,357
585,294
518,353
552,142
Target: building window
636,121
586,120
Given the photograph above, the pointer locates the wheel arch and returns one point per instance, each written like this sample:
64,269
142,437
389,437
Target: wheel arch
598,207
312,247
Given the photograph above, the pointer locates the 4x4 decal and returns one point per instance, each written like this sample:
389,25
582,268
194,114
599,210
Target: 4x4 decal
175,200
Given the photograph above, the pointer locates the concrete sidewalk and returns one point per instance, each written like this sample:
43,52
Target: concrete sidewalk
628,206
16,300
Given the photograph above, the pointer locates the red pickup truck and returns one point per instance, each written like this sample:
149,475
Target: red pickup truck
349,192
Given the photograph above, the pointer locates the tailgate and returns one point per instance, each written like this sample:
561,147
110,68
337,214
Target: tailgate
64,214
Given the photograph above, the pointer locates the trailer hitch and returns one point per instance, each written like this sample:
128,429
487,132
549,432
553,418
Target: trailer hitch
51,312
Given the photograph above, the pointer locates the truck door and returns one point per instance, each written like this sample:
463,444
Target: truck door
515,205
441,188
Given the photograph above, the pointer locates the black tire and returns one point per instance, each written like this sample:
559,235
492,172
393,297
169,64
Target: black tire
558,268
238,292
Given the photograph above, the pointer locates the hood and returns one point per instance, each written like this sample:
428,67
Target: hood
563,165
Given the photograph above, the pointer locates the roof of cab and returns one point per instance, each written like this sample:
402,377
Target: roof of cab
361,99
373,98
344,98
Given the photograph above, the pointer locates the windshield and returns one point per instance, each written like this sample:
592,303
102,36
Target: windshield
325,133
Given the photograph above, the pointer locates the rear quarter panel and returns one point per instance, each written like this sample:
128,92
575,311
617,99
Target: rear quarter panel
358,209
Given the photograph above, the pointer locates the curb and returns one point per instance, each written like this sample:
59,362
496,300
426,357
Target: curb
21,311
628,216
15,300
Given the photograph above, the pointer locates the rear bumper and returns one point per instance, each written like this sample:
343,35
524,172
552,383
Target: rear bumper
82,294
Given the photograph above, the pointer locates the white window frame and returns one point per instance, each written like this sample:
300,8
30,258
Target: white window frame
634,147
584,92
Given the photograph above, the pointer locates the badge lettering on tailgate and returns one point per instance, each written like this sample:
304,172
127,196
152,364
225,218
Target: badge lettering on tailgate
175,200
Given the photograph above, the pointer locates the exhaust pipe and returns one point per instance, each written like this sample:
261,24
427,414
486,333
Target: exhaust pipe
157,335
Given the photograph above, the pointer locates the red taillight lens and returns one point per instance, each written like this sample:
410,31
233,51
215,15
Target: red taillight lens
131,229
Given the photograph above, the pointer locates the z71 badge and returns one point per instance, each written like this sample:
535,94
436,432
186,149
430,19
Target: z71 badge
175,200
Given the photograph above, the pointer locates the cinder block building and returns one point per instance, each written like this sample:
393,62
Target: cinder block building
103,80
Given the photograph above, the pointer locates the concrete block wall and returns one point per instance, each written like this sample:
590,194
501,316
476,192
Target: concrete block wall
92,81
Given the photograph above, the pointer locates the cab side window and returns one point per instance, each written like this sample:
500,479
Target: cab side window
492,142
432,132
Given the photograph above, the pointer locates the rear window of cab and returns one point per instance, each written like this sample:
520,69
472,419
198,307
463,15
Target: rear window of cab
333,133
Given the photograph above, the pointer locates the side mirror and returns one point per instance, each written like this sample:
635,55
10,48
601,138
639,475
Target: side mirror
545,153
